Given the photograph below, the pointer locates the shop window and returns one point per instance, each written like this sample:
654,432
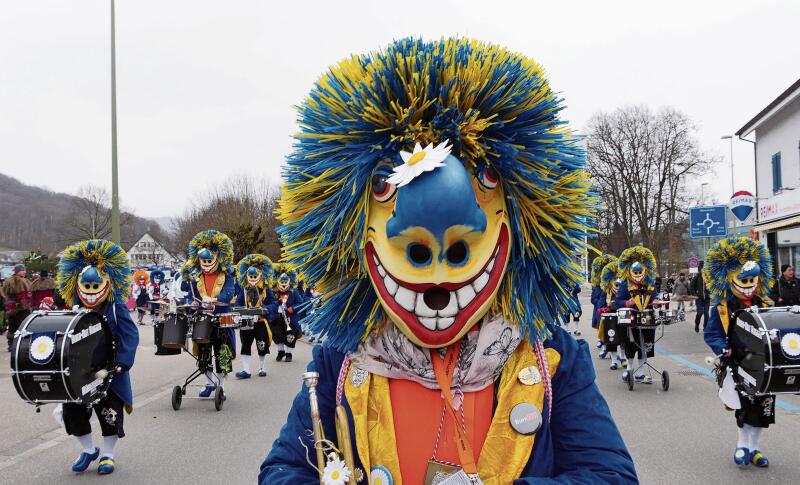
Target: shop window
776,173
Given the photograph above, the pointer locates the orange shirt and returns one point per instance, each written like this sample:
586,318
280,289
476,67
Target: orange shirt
209,280
417,412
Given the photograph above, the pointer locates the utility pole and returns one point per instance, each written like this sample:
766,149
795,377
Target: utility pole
115,231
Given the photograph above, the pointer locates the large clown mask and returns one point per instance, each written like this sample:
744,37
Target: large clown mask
208,261
638,273
744,283
93,287
254,277
437,244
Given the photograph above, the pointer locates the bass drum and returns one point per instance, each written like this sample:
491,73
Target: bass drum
170,334
765,346
55,356
613,335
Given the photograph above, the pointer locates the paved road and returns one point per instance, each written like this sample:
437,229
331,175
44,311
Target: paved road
679,436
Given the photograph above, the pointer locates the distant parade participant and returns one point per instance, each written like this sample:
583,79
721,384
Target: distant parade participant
157,290
786,291
574,313
140,294
609,284
598,297
210,284
285,313
738,272
42,287
17,291
253,273
176,292
697,288
95,275
637,290
47,304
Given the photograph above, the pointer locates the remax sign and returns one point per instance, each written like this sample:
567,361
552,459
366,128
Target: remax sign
742,204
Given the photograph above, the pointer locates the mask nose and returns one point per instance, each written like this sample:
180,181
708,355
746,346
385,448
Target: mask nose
436,201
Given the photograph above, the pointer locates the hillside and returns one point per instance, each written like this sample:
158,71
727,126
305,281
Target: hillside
32,218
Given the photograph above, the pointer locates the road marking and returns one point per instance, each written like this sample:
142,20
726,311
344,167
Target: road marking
60,438
706,372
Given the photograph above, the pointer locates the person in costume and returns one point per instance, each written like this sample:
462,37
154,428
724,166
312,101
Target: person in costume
609,285
157,290
95,275
738,272
17,291
253,273
286,312
139,291
574,312
598,297
435,200
637,290
42,287
210,284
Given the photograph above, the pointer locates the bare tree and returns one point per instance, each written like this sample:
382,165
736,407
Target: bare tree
641,162
242,207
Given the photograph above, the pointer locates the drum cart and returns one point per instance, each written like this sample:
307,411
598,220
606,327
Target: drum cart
632,319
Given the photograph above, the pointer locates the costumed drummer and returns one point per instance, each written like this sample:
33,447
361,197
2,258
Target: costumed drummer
738,272
598,296
637,290
285,313
435,199
157,290
609,285
254,272
140,293
210,284
95,275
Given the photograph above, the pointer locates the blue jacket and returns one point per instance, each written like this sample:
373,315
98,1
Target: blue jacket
294,307
714,333
580,445
623,295
598,300
126,338
226,294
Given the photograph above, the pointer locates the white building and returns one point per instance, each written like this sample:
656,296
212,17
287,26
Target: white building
149,252
777,151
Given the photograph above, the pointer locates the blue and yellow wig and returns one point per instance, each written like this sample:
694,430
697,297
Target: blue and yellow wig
608,275
497,109
260,262
598,264
728,258
105,256
638,254
214,241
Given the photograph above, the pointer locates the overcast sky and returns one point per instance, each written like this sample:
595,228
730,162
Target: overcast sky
205,89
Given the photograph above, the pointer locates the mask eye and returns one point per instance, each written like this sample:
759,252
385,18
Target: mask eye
488,177
381,189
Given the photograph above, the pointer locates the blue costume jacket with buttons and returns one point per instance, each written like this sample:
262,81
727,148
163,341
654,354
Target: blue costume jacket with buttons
126,339
581,444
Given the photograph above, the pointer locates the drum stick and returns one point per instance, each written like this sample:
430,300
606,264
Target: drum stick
101,374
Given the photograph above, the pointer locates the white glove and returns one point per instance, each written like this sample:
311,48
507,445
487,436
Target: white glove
753,309
206,299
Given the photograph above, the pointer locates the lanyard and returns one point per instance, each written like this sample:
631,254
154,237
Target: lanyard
444,370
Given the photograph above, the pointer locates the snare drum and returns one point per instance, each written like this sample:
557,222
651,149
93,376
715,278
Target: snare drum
766,350
626,317
647,318
171,334
227,320
55,357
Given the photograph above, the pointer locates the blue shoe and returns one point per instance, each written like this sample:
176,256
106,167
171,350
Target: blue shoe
603,354
262,373
106,466
83,461
624,363
759,460
598,344
741,457
242,375
626,376
208,390
644,379
614,366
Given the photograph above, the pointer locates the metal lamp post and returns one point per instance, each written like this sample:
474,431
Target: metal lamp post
115,231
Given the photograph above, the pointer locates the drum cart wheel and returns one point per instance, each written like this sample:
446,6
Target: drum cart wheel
177,397
665,380
630,381
219,398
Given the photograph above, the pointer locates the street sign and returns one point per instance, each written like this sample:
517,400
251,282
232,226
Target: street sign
693,262
742,204
708,221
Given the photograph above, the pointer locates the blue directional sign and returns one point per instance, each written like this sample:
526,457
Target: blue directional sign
709,221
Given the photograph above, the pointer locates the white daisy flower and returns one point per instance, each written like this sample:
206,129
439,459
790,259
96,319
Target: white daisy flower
42,348
419,161
335,473
791,344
